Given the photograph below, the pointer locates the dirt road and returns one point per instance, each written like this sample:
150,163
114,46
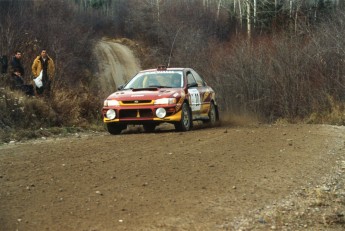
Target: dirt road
117,64
265,177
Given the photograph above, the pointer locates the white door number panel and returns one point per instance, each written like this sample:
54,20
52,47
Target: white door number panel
195,99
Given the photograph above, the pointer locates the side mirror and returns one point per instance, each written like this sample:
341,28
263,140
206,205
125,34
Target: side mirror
120,87
192,85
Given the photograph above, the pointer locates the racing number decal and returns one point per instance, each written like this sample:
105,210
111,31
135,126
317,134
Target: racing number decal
195,101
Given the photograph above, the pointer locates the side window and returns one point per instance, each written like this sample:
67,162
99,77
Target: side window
190,78
198,79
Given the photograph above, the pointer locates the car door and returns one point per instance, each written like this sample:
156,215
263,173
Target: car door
205,93
195,100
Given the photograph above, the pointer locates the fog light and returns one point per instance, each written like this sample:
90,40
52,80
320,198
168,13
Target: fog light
161,112
111,114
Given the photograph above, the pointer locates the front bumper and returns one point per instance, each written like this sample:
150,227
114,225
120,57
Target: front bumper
142,114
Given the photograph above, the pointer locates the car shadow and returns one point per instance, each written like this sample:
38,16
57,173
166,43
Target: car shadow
163,128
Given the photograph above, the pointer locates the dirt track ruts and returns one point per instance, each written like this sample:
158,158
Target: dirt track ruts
205,179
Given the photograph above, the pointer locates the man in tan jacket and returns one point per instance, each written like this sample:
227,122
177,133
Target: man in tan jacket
45,64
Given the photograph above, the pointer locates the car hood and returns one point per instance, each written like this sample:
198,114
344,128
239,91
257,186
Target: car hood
144,94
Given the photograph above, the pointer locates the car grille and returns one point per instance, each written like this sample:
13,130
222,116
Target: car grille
136,113
136,102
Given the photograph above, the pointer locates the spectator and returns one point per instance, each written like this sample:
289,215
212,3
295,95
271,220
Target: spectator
46,64
17,75
16,64
3,64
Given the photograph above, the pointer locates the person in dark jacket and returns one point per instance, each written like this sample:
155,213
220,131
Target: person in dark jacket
16,64
3,64
17,75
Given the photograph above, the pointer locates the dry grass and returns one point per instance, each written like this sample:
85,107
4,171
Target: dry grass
334,116
23,117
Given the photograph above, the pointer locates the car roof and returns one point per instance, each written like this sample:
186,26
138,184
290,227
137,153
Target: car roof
167,69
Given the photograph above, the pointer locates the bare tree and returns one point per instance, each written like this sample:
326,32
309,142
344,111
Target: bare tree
218,8
249,27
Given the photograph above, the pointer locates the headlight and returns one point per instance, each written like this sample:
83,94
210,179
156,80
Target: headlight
161,112
111,114
111,102
165,101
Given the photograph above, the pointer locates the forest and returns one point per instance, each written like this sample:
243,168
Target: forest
270,59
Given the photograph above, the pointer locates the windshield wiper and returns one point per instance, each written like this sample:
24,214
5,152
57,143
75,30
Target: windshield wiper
159,86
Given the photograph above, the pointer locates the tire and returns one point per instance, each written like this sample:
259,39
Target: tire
149,127
212,115
186,123
115,129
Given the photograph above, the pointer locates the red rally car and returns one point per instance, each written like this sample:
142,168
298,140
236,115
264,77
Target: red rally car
163,95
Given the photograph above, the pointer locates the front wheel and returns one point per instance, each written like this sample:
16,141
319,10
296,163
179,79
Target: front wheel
186,123
115,129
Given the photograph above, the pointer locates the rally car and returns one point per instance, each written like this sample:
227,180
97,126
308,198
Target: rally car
162,95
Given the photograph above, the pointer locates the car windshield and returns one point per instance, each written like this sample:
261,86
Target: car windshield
157,79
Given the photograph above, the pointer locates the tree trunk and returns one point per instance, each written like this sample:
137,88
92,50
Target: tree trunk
205,4
290,8
255,13
240,11
248,20
218,8
158,11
